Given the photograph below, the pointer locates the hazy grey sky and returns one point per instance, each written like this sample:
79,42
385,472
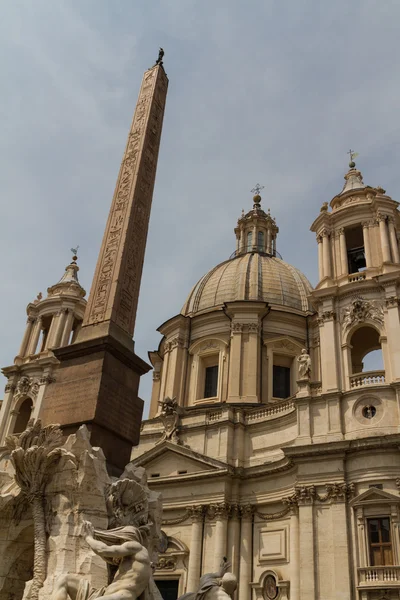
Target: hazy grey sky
264,91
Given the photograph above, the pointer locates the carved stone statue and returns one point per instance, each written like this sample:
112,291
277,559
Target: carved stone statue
123,546
170,416
304,362
359,311
215,586
159,60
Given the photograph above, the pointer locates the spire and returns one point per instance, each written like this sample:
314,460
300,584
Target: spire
69,283
353,177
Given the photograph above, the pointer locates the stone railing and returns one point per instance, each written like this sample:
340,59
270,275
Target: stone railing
357,276
270,412
378,575
367,378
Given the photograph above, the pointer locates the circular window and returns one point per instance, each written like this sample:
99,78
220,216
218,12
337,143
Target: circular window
270,587
369,411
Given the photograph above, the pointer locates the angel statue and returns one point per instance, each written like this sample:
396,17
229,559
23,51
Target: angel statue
304,362
123,546
215,586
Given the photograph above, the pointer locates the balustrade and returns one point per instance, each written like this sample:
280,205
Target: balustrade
367,378
378,575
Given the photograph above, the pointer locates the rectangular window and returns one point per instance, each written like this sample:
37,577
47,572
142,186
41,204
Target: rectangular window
211,382
281,382
380,544
168,588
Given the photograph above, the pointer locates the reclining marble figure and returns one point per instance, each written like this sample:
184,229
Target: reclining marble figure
122,546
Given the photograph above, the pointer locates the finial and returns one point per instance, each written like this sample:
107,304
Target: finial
159,60
256,190
75,253
353,155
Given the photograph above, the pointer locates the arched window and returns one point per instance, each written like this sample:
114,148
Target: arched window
260,241
366,357
24,414
249,240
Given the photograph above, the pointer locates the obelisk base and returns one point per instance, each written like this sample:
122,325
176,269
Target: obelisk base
97,385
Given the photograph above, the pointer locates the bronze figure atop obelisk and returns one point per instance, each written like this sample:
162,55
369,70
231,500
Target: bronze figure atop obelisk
97,382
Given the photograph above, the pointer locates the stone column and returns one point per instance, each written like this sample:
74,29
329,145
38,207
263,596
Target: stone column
306,543
253,364
384,238
343,252
294,553
246,551
62,317
320,258
37,328
269,249
235,362
326,254
196,543
393,241
254,237
68,324
328,344
341,563
233,551
52,330
221,533
367,244
392,326
27,335
5,408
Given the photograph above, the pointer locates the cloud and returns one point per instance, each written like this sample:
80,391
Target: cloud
266,91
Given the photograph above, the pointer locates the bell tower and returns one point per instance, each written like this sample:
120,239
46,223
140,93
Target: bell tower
357,296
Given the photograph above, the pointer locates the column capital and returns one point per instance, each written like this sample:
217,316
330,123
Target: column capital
234,512
319,238
339,231
10,387
392,301
196,513
30,319
236,327
325,233
246,512
254,327
381,217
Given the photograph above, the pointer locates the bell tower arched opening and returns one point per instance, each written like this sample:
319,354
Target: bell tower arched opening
355,249
24,414
367,365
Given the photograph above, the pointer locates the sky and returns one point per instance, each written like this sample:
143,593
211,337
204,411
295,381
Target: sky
265,91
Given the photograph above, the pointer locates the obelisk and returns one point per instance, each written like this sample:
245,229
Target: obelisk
98,378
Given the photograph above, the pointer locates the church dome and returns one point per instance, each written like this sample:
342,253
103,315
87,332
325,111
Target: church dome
255,271
251,276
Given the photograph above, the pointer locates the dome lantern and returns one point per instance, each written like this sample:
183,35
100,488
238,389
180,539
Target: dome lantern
256,230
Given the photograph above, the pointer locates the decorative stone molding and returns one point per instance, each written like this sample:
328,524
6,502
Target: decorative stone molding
339,231
209,345
167,563
392,301
170,416
176,342
27,386
319,238
236,327
156,375
327,315
381,217
10,387
196,512
325,233
361,310
273,516
254,327
247,511
47,379
218,511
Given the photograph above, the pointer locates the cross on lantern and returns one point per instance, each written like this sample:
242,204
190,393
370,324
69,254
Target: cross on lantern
257,189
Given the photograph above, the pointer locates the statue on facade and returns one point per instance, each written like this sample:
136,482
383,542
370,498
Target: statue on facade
215,586
123,547
170,415
159,60
304,363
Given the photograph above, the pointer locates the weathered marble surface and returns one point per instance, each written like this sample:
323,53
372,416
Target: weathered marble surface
79,490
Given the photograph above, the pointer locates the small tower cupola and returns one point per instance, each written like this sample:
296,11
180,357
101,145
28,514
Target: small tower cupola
52,321
358,238
256,230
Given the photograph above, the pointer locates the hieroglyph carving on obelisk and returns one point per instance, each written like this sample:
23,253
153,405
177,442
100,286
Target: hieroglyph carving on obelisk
115,288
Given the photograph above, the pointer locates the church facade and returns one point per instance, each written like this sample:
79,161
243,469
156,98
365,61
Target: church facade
271,442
